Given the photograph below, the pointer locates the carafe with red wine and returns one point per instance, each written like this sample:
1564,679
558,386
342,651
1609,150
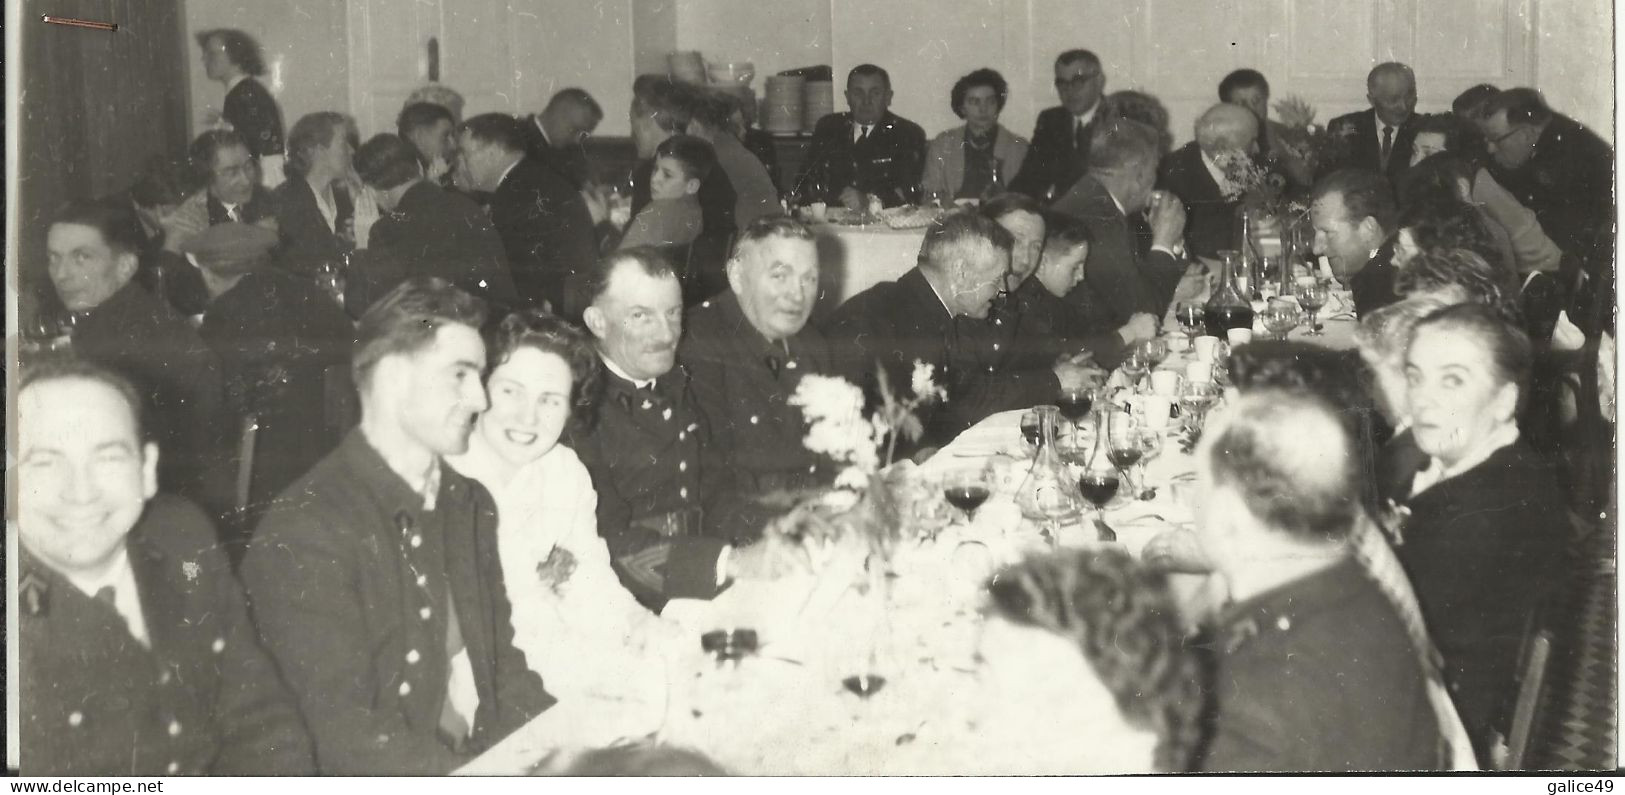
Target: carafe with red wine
1227,308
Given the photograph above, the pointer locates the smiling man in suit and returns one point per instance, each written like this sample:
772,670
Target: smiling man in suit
1379,138
868,151
1061,137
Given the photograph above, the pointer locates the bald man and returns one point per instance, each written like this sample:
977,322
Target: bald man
1378,138
1315,670
1226,137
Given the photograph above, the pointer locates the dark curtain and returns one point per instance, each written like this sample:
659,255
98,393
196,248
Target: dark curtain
95,106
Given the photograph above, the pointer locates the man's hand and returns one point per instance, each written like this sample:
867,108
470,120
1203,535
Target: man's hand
1167,216
854,200
767,559
1075,374
1140,326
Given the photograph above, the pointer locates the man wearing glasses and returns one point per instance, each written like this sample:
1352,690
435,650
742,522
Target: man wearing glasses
1557,168
1061,137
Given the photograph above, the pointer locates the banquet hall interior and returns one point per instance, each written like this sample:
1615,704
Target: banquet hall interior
661,247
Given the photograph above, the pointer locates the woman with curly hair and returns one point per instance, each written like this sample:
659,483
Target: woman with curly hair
1460,276
577,625
1085,667
980,157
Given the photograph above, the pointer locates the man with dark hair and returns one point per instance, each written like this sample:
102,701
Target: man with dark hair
963,264
157,196
1315,668
641,442
425,231
746,350
1378,139
233,58
1249,89
1354,216
557,136
544,224
375,578
137,656
430,128
93,253
1559,169
868,152
276,336
230,176
1200,175
1124,278
1061,137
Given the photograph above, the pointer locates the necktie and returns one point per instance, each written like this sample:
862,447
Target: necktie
1387,144
1079,138
234,214
106,595
863,132
774,363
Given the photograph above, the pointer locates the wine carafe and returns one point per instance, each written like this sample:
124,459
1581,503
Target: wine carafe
1046,494
1227,308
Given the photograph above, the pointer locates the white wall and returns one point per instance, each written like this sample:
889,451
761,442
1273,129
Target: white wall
1574,49
305,53
776,35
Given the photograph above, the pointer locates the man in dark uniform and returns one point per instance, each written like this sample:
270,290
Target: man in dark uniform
375,577
233,58
641,443
746,351
918,318
137,656
544,224
1355,220
557,136
94,249
1315,668
868,152
1061,137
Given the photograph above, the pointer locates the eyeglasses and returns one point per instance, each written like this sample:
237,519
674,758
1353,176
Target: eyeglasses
1075,81
1495,142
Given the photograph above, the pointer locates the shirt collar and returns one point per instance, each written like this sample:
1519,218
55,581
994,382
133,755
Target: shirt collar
1436,472
1088,115
1213,170
940,299
616,369
120,575
537,120
508,170
1116,203
234,82
425,486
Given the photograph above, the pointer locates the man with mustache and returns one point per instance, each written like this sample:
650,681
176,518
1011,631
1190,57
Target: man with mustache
375,577
747,350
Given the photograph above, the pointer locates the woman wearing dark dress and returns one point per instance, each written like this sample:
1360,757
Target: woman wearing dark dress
233,58
315,210
1487,521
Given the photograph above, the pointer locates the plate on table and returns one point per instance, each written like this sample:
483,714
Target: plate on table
910,217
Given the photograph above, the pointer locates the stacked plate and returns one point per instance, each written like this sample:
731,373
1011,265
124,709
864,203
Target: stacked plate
731,73
782,107
820,102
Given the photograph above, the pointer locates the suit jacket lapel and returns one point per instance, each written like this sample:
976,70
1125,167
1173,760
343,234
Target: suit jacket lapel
162,601
463,578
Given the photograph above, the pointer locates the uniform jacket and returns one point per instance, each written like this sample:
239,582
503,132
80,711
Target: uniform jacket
203,699
569,161
349,579
545,229
1373,285
1120,274
1057,157
741,384
1481,549
431,232
1359,144
642,448
895,324
887,164
1568,183
1210,218
1320,675
253,113
1034,327
945,160
307,241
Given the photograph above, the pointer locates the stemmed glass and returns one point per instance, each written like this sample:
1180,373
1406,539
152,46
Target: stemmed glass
1123,445
1155,351
1195,399
1134,367
1191,320
966,489
1074,403
1150,441
330,278
1312,294
1098,484
1280,318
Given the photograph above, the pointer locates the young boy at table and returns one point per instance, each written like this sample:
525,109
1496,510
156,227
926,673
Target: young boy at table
672,217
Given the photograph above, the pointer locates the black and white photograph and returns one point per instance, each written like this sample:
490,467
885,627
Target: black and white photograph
811,388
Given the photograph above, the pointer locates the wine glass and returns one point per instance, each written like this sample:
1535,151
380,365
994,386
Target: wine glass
1280,318
1134,368
330,278
1030,429
1155,351
1123,444
1195,399
1099,485
1074,403
1191,320
966,489
1150,441
1312,294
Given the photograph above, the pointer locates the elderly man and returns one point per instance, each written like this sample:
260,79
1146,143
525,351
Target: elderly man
1354,217
93,250
557,135
1315,668
276,336
232,193
1199,172
1379,138
136,652
233,58
1061,138
1122,278
1557,168
868,153
893,326
432,132
545,226
1249,89
426,231
642,447
746,351
374,577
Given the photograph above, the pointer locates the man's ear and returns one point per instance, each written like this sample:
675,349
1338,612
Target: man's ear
692,186
596,322
149,469
1371,231
736,280
126,264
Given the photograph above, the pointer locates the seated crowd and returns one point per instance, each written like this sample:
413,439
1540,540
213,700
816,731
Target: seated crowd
464,436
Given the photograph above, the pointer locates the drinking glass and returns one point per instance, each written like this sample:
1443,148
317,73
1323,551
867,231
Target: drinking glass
1280,318
1123,445
1150,441
1074,403
1155,351
1098,484
1312,296
1134,367
1191,320
967,488
1195,399
330,278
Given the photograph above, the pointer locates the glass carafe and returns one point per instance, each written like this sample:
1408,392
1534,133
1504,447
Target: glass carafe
1227,308
1046,494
